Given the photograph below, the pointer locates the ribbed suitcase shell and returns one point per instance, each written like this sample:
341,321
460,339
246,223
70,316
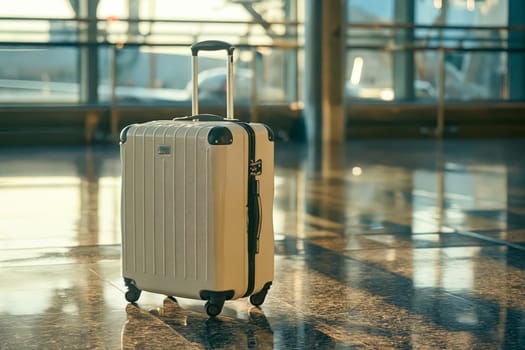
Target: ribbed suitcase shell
184,208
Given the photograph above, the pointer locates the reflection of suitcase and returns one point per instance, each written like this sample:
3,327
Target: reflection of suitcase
197,195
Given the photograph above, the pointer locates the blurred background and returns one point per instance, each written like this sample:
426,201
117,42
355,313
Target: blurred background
78,70
420,238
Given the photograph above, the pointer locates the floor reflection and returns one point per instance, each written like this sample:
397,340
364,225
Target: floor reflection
182,327
379,244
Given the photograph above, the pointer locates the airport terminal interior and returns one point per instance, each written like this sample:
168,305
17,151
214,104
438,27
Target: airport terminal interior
399,179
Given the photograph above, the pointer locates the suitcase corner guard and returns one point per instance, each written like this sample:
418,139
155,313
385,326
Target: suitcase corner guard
124,134
271,135
220,135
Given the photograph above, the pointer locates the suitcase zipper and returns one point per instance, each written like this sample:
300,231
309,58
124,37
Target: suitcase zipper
254,208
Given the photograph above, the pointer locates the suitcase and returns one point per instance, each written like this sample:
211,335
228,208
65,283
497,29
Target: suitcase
197,197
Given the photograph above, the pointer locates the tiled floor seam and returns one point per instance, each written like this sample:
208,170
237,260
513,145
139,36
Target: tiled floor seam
490,239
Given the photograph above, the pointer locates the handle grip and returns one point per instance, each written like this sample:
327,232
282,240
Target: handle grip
211,45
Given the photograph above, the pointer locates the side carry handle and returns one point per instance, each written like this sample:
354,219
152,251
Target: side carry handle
202,117
212,45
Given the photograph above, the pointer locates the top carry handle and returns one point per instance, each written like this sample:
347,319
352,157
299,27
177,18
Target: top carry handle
212,45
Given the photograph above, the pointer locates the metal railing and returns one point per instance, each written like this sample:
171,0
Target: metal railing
116,34
443,39
128,31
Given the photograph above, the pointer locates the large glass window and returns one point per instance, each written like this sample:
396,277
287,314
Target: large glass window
138,51
469,75
38,75
369,71
41,74
394,50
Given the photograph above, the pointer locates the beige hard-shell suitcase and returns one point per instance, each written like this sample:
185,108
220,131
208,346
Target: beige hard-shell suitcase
197,196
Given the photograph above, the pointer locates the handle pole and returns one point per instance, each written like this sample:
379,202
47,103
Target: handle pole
229,88
195,93
212,45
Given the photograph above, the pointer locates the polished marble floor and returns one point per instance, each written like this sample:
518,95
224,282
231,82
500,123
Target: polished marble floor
383,244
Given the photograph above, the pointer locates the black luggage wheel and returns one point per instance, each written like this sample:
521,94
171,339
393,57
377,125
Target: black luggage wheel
133,293
215,301
257,299
213,308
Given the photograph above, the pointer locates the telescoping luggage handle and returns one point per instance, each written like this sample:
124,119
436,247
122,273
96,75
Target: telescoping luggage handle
212,45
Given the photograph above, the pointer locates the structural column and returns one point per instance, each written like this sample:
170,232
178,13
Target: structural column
403,66
89,53
290,60
516,60
324,71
